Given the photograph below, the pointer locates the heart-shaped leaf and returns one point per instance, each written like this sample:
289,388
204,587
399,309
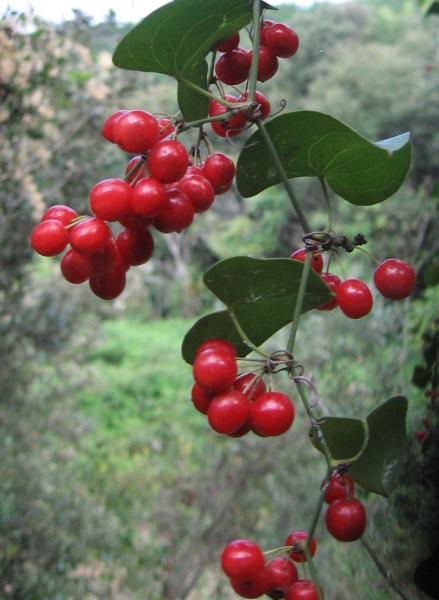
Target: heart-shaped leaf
260,294
175,40
312,144
345,437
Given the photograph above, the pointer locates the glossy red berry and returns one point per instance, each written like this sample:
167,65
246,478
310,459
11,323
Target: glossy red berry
106,259
75,267
148,197
229,43
168,161
233,67
233,125
166,127
346,519
219,170
49,237
263,109
59,212
135,247
90,236
339,488
332,281
136,222
282,40
110,284
282,574
266,24
201,398
215,370
316,259
394,279
136,169
242,560
297,539
271,414
302,590
110,199
228,412
176,214
243,430
199,190
267,65
251,588
250,385
354,298
136,131
217,345
107,130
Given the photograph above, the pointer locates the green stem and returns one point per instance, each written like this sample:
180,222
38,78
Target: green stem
204,92
383,570
368,254
243,335
299,303
253,76
286,182
328,202
313,573
200,122
211,68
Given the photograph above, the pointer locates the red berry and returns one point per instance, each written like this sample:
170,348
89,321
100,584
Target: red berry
228,412
136,169
242,560
264,107
232,126
219,170
199,190
135,247
282,40
176,214
394,279
201,398
250,385
251,588
222,189
136,222
217,344
316,259
297,539
90,236
340,487
332,281
228,44
346,519
110,199
107,130
148,197
49,237
420,436
282,574
166,127
271,414
65,214
136,131
191,170
354,298
302,590
109,285
266,24
233,67
106,259
243,430
215,370
75,267
168,161
267,65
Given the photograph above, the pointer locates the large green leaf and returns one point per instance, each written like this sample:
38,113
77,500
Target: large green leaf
175,39
312,144
430,7
260,293
345,437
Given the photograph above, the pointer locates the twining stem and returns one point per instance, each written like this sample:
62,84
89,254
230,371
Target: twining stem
386,574
328,202
253,76
244,336
299,303
286,182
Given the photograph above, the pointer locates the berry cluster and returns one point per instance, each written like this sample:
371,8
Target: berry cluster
236,404
162,189
393,278
345,517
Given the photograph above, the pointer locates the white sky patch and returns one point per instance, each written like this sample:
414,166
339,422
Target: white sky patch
126,10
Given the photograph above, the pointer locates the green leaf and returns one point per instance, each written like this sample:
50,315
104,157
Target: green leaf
175,40
312,144
378,466
260,293
345,437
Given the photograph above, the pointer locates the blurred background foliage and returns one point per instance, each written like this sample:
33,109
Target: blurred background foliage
111,484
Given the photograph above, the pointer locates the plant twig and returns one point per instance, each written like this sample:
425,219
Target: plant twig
383,570
253,76
299,303
243,335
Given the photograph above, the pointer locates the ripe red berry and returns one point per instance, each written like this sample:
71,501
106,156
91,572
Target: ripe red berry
233,125
199,190
266,24
420,436
250,385
59,212
297,539
228,412
110,284
242,560
75,267
107,130
110,199
90,236
168,161
346,519
136,169
201,398
106,259
251,588
233,67
332,281
228,44
316,259
148,197
218,345
339,487
215,370
136,222
243,430
136,131
264,107
135,247
302,590
354,298
282,40
49,237
192,170
166,127
282,574
271,414
219,170
267,65
176,214
394,279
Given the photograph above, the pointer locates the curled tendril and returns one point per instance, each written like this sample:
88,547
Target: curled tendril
282,105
